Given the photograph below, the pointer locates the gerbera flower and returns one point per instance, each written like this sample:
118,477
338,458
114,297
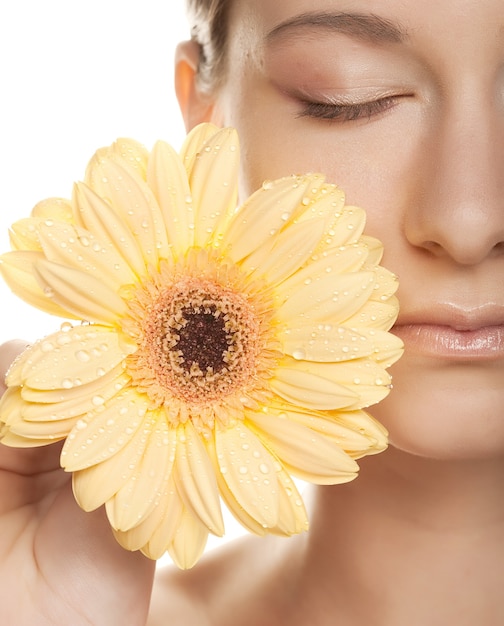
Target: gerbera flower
222,350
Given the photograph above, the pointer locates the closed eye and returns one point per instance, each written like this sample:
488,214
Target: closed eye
346,111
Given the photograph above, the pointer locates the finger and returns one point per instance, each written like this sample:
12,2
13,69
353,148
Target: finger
95,566
8,352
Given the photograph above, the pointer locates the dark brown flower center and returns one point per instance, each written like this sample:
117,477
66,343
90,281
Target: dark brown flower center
203,339
200,343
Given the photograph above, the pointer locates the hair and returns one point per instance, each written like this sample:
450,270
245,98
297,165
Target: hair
208,21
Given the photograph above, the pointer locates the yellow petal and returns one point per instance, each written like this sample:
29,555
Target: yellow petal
195,479
10,405
325,343
139,495
262,216
101,435
324,200
17,429
310,390
93,486
15,441
156,533
48,431
98,217
13,377
249,471
341,260
375,250
366,380
78,400
350,439
82,294
292,248
292,518
17,271
78,248
364,423
54,208
213,181
189,541
347,227
167,178
327,299
335,343
238,512
194,142
387,347
132,199
378,315
24,234
133,154
72,358
310,455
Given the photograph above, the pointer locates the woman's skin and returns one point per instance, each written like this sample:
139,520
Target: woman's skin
416,90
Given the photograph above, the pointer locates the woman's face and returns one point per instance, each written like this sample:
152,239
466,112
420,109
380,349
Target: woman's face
401,103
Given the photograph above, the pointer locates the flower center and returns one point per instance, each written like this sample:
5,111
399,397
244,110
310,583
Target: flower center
203,339
199,342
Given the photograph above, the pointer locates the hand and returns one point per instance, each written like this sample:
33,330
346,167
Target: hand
59,565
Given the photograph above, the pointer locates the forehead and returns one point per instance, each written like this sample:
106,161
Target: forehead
451,36
390,19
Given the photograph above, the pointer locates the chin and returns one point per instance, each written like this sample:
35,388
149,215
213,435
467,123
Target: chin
445,412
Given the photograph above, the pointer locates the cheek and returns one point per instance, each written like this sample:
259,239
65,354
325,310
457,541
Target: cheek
372,163
374,183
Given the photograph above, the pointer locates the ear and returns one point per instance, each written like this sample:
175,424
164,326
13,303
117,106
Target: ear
195,105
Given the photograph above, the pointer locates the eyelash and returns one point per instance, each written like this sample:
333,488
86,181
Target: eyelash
346,112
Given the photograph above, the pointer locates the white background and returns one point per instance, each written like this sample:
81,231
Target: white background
74,76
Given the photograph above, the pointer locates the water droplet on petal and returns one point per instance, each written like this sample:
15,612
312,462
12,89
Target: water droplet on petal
299,354
82,356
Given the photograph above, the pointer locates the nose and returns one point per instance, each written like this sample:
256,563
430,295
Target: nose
458,212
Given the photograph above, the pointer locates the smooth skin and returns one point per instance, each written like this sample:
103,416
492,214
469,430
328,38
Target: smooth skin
416,137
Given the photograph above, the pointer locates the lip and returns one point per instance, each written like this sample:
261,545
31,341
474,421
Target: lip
454,333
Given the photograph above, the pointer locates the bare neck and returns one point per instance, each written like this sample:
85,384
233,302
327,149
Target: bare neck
410,541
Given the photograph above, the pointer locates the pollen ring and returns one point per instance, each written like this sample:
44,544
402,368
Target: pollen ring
200,343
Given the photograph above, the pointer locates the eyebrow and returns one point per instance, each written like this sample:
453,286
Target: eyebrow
364,26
